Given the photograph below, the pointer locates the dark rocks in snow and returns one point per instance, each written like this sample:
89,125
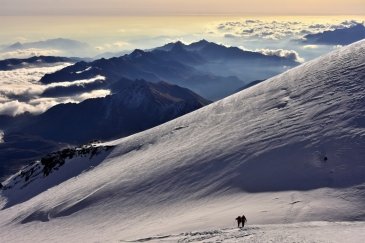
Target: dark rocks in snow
52,162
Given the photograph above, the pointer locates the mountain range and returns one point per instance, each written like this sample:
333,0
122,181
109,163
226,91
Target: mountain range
342,36
63,46
15,63
211,70
133,107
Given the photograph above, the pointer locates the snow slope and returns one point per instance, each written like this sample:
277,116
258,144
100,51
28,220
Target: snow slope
283,233
290,149
50,171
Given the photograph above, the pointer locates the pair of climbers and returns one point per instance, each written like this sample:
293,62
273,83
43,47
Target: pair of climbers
241,220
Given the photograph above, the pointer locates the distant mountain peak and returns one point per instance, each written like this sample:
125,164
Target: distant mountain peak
137,53
179,43
178,46
203,42
16,45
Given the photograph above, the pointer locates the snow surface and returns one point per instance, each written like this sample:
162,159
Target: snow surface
286,151
32,179
299,232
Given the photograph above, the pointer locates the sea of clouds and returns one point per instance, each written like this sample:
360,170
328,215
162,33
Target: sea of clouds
21,91
277,30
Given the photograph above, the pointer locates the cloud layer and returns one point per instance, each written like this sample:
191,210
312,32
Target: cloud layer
291,54
20,90
277,30
24,53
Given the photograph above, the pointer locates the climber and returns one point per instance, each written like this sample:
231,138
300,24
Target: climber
244,220
239,221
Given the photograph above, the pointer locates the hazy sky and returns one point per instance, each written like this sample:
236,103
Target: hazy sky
184,7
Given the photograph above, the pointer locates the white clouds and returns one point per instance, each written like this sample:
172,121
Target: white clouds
28,74
93,94
20,90
1,136
310,47
277,30
290,54
113,46
24,81
29,91
15,107
40,105
24,53
74,83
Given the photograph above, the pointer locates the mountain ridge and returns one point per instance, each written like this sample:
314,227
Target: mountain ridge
193,66
342,36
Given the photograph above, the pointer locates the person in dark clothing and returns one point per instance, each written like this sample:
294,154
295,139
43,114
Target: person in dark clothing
239,221
244,220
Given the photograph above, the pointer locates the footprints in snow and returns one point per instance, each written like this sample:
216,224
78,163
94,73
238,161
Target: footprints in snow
203,236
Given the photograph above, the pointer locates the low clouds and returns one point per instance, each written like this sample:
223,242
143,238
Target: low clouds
40,105
310,47
24,81
290,54
21,92
113,46
1,136
13,108
24,53
276,30
61,47
49,47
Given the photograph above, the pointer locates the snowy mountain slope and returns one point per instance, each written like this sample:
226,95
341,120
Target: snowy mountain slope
287,233
289,149
51,170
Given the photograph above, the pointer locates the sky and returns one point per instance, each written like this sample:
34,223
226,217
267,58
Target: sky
181,7
126,33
